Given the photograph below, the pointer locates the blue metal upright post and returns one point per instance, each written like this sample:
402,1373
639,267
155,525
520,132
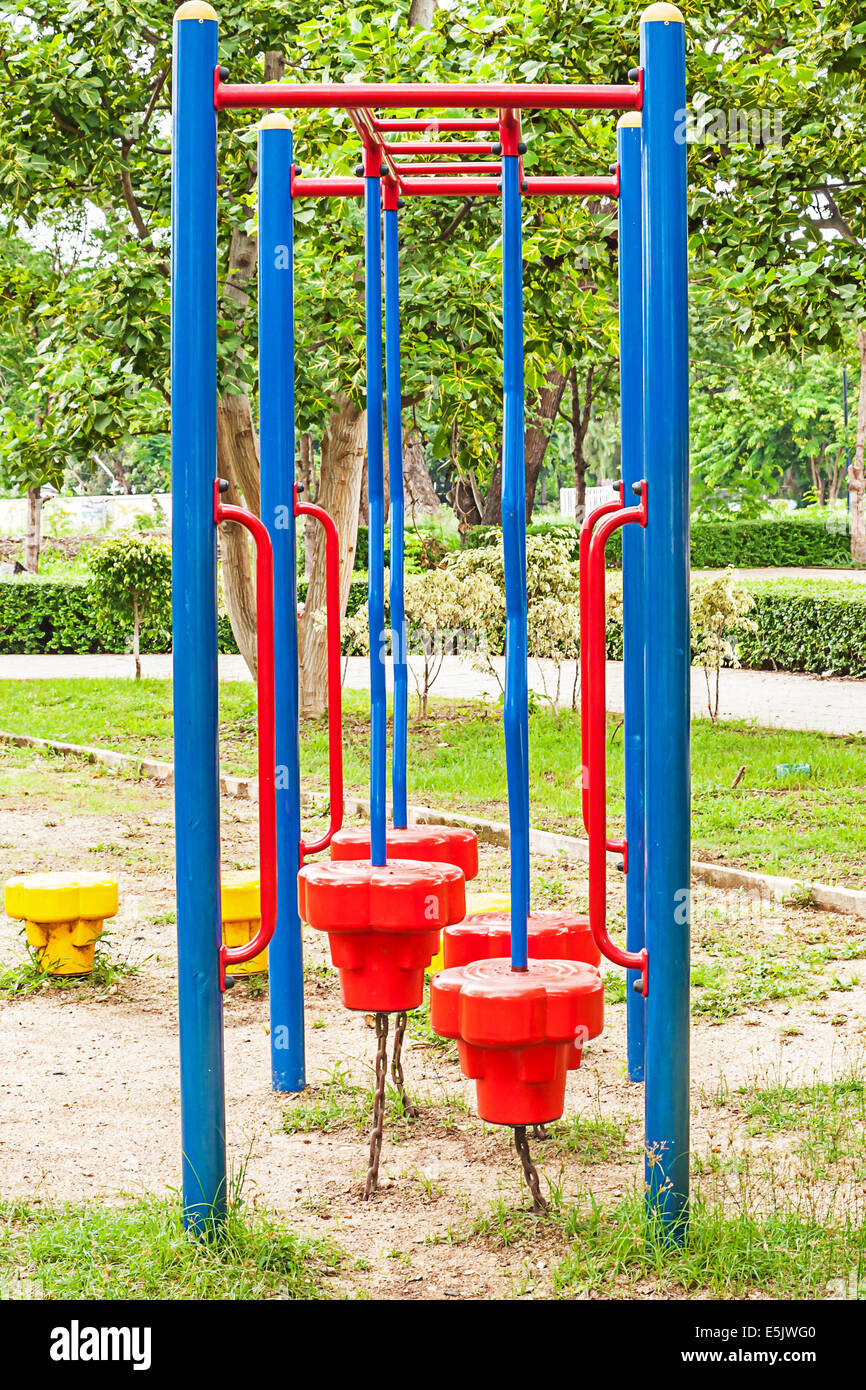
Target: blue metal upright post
277,461
631,435
194,614
375,504
516,714
666,468
399,635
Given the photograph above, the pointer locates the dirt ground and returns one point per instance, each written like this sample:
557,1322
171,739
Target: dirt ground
89,1103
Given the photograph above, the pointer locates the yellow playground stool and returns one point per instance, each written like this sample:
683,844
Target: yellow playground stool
63,917
475,903
241,917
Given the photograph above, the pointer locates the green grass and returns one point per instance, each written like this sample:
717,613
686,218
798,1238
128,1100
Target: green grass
828,1119
142,1252
809,827
340,1103
109,969
728,1255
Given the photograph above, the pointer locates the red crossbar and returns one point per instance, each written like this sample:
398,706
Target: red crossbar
432,124
436,170
424,95
438,147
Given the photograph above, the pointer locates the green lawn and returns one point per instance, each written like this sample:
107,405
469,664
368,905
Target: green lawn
808,826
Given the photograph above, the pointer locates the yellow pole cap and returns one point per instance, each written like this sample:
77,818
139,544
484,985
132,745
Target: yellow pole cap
662,13
275,120
195,9
631,118
240,896
59,897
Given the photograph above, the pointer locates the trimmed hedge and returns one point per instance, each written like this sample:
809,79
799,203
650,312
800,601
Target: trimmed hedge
59,616
807,625
812,542
802,625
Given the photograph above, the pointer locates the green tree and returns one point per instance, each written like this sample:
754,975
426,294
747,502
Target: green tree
131,579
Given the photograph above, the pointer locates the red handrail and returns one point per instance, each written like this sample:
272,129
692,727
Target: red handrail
267,754
590,521
595,756
335,684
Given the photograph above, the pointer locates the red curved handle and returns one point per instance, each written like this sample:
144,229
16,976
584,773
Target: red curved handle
267,753
590,521
335,684
595,755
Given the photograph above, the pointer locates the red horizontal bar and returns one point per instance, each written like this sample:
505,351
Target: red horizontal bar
450,188
328,188
420,95
439,147
423,170
605,185
433,124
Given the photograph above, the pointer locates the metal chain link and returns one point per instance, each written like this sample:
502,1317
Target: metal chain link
410,1110
372,1182
530,1172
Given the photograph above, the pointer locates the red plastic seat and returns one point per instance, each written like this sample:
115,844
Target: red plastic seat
383,924
518,1031
551,936
433,844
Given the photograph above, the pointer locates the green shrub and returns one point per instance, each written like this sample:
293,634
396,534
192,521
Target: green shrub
131,582
814,542
807,625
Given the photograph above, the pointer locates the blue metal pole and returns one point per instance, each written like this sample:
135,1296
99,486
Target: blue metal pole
375,509
514,544
665,339
194,614
277,458
631,426
399,638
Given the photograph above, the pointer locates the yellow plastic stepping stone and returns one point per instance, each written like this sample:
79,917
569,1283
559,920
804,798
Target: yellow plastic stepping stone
241,918
475,903
63,917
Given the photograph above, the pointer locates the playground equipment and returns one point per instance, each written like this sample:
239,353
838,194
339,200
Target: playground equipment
521,1020
63,917
241,913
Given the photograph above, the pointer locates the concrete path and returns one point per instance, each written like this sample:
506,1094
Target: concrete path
774,699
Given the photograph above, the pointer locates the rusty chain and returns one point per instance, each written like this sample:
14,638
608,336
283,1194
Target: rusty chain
410,1110
372,1182
530,1172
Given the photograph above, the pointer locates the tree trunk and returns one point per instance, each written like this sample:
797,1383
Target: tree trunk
538,434
580,415
237,447
420,495
311,526
339,494
855,473
237,456
136,636
33,532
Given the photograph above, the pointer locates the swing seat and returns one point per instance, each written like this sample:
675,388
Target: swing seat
383,924
550,936
518,1031
432,844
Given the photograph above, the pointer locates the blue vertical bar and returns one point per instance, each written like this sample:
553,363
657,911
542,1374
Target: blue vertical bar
399,639
277,458
631,426
665,337
375,514
194,614
514,544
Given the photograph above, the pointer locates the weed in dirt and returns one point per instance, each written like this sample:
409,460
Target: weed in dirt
109,969
340,1103
757,977
614,987
596,1140
828,1116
